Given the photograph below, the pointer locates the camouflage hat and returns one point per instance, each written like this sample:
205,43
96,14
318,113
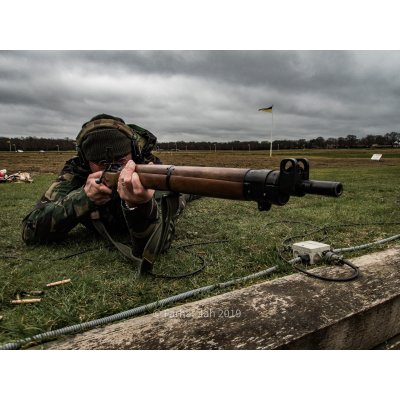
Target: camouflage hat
104,116
105,131
95,146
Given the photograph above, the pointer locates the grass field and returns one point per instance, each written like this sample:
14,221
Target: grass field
243,239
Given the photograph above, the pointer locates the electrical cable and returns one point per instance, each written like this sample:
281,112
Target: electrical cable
188,274
353,276
154,275
52,259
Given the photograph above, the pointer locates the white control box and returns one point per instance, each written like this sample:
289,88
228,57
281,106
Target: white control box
313,249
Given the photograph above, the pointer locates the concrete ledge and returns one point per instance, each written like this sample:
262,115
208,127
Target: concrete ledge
293,312
390,344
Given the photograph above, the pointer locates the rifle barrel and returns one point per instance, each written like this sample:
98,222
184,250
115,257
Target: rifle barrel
322,188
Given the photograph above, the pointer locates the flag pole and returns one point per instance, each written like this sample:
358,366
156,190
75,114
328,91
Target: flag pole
272,125
269,109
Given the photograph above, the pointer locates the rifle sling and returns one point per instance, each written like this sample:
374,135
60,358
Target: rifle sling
123,248
158,240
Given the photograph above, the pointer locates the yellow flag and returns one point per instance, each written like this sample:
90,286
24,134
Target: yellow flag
266,109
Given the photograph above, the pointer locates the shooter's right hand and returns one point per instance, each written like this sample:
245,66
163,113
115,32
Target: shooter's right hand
97,192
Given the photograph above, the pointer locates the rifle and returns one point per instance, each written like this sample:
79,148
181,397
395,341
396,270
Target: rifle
264,186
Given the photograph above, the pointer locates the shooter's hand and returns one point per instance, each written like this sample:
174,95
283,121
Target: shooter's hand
130,188
97,192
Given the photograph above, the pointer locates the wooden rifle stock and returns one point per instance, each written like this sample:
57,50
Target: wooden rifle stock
264,186
226,183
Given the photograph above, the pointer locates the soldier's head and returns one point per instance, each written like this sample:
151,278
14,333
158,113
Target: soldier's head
104,139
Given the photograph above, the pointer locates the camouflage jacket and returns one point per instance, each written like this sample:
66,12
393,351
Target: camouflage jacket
65,204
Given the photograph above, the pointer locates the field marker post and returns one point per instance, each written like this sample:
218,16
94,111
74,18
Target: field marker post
269,109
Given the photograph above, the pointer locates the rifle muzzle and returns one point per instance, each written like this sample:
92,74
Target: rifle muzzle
323,188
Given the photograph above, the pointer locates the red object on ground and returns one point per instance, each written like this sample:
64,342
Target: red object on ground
3,175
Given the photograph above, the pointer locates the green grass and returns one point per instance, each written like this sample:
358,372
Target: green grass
104,283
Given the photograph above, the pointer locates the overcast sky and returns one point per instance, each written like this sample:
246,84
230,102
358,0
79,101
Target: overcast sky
202,95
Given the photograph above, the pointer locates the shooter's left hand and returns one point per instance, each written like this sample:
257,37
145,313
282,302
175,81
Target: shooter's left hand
130,189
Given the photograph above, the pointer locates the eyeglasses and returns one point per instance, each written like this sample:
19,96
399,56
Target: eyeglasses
104,163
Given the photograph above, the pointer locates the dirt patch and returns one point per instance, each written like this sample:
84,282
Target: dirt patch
52,162
34,162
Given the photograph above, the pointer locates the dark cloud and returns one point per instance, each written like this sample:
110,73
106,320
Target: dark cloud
201,95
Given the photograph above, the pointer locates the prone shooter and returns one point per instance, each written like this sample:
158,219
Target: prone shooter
115,185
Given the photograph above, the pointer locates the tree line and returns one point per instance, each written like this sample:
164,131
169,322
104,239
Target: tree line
391,139
36,144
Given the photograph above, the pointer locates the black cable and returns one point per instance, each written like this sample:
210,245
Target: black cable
355,274
162,276
186,275
203,263
52,259
324,228
180,276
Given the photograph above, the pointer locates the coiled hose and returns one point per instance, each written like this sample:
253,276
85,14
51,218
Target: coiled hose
365,246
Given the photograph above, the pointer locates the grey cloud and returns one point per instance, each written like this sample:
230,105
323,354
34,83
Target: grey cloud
201,95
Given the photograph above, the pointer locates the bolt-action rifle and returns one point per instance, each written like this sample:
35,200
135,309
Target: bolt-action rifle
264,186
